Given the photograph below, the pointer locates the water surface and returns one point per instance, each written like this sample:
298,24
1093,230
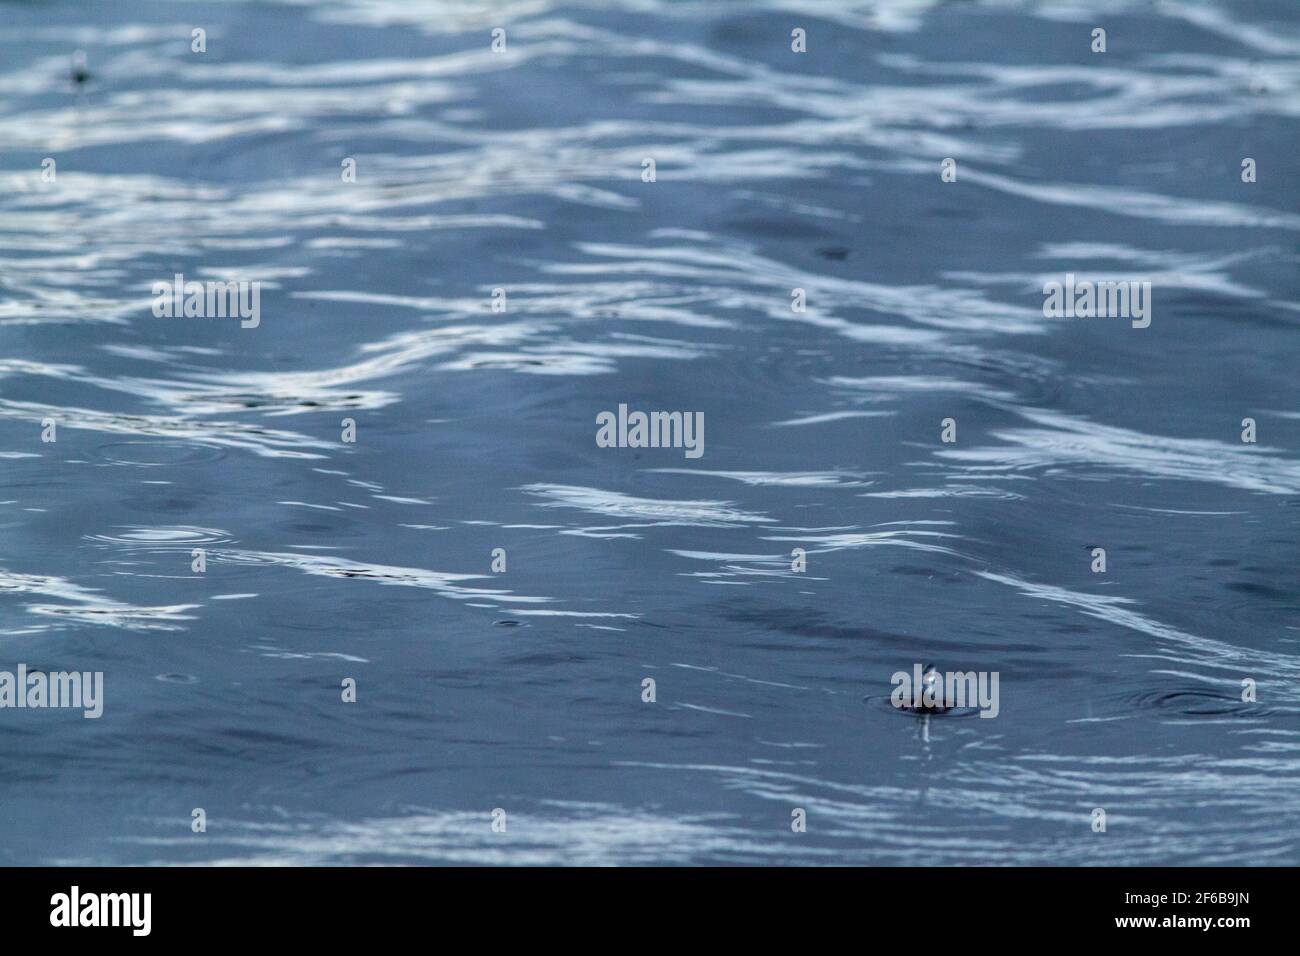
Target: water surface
522,170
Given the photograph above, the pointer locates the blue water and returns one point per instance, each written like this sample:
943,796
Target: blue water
475,430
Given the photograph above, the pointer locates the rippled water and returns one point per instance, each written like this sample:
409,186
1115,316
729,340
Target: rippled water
522,170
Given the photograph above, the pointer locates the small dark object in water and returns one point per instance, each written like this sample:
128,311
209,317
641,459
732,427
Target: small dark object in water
80,72
836,253
932,681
